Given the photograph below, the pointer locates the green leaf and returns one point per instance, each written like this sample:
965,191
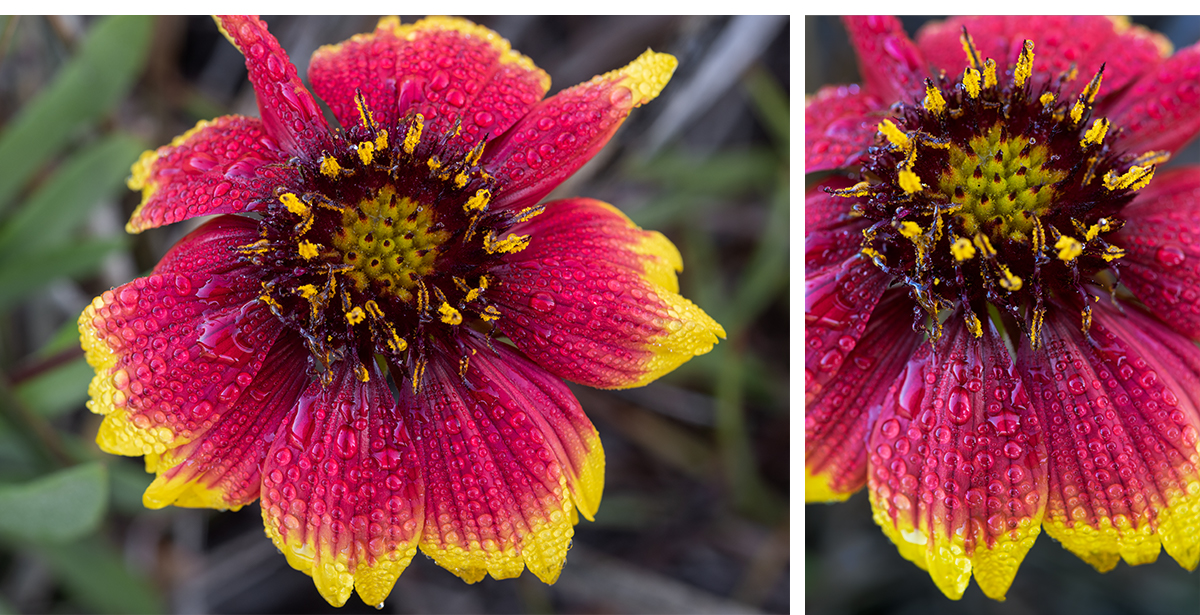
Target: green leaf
55,210
96,577
85,89
771,104
55,508
28,271
58,390
720,174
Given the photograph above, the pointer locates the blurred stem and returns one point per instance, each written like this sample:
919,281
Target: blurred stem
10,30
767,272
771,105
34,430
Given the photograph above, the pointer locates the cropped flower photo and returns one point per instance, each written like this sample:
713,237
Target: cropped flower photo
426,314
1002,310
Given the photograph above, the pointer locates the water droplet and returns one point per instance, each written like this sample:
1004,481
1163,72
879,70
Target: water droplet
1005,423
1012,450
890,428
542,302
1170,256
960,406
346,442
1076,386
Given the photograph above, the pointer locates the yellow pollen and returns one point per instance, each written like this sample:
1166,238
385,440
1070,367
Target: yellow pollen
373,309
355,316
1047,99
971,80
909,181
871,253
969,49
414,134
294,204
859,189
1134,179
989,73
330,166
974,325
1068,248
362,373
450,315
1112,253
1092,88
460,180
433,164
514,243
985,246
269,300
381,139
489,313
1077,112
1095,134
1010,282
894,135
934,101
308,250
1024,65
910,229
1101,226
962,249
366,152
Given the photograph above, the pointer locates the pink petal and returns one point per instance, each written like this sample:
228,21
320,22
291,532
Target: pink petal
1161,111
839,125
891,66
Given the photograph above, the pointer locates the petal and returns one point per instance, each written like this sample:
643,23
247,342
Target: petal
957,463
891,66
342,490
289,112
226,165
839,125
563,132
594,299
1161,111
172,351
1120,416
831,235
500,446
221,468
445,68
1161,239
1060,41
837,416
838,302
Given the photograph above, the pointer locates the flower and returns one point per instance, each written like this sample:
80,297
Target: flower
254,360
1003,293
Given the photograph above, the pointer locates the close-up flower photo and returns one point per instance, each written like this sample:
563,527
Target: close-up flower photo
1002,310
369,314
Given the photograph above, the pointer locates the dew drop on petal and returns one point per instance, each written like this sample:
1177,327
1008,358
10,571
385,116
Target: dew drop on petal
1170,256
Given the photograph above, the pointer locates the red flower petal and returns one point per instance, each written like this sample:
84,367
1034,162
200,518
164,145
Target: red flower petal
594,298
507,456
838,302
1161,111
839,125
1060,41
837,416
1120,418
1161,239
958,463
447,69
288,111
891,66
563,132
172,351
831,235
221,166
221,467
342,488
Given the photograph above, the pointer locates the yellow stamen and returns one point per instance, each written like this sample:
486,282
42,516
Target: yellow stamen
859,189
909,181
894,135
514,243
910,229
489,313
414,134
362,373
381,139
1077,112
1068,248
355,316
373,309
1112,253
974,325
934,101
1024,65
366,152
972,80
962,249
985,246
308,250
1134,179
330,166
450,315
989,73
969,49
1011,283
1047,99
1095,134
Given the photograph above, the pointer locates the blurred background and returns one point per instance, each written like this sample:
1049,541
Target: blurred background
850,567
695,513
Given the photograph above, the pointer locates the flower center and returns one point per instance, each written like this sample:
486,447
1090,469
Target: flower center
992,195
389,243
